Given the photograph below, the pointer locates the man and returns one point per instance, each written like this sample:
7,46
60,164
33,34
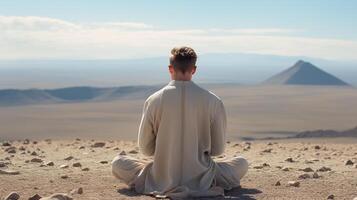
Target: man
182,127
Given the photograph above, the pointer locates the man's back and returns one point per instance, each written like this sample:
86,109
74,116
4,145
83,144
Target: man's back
183,126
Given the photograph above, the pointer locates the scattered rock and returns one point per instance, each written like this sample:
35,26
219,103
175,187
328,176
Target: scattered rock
34,153
116,149
133,152
315,175
2,164
11,150
63,166
98,144
9,172
349,162
35,197
22,148
26,141
85,169
122,153
278,183
317,147
64,177
307,169
324,169
289,159
12,196
82,147
331,196
294,183
77,164
6,144
304,176
286,169
57,197
37,160
69,158
104,162
50,163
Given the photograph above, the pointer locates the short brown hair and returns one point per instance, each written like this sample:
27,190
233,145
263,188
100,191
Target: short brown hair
183,58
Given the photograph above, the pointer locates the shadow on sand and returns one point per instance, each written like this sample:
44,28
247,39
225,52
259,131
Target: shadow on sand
236,193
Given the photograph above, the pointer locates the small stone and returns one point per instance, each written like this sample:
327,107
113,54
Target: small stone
277,183
35,197
6,144
98,144
85,169
294,183
331,196
104,162
122,153
324,169
58,197
289,159
116,149
317,147
77,164
9,172
69,158
50,163
308,169
26,141
63,166
349,162
133,152
82,147
315,175
36,160
12,196
77,191
22,148
11,150
286,169
64,177
267,150
34,153
304,176
2,164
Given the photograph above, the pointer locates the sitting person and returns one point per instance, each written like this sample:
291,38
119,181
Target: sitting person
182,127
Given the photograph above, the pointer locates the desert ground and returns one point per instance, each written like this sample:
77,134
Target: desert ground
305,169
253,111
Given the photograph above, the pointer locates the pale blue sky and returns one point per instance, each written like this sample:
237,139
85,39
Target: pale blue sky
315,19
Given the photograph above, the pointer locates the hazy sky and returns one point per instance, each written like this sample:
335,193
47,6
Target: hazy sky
83,29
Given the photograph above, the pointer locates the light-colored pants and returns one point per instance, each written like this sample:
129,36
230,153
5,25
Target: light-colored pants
228,172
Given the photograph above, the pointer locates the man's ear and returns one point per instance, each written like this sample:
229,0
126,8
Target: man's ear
194,69
171,69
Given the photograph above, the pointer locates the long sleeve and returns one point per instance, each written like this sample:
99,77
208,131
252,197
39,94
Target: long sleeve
146,135
218,129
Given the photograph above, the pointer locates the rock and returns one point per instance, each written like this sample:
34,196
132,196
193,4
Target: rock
69,158
50,163
267,151
133,152
63,166
304,176
98,144
307,169
64,177
289,159
104,162
294,183
37,160
85,169
77,164
349,162
26,141
77,191
12,196
324,169
331,196
82,147
22,148
315,175
2,164
285,169
35,197
122,153
11,150
34,153
6,144
9,172
317,147
277,183
58,197
116,149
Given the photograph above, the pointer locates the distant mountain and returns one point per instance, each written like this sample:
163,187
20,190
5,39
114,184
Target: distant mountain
12,97
304,73
327,133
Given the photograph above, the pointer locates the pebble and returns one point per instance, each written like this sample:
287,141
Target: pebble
289,160
324,169
85,169
12,196
285,169
63,166
294,183
69,158
9,172
35,197
315,175
98,144
36,160
267,151
34,153
77,191
122,153
331,196
317,147
50,163
277,183
349,162
104,162
304,176
64,176
6,144
77,164
82,147
308,169
57,197
133,152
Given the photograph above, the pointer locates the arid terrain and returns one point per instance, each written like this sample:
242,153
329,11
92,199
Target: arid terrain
81,169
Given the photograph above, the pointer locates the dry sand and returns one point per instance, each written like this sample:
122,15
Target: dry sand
267,159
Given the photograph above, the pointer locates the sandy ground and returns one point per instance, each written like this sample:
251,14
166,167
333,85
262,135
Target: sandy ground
259,183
